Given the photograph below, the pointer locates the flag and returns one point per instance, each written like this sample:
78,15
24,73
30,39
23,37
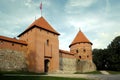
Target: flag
41,6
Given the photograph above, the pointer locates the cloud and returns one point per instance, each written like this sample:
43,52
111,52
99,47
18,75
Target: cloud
98,28
80,3
66,16
28,3
107,8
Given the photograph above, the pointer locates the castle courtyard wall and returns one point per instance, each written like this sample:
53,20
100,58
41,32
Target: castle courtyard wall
67,62
11,60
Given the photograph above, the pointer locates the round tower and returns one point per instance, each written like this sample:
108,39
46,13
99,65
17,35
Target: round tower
81,47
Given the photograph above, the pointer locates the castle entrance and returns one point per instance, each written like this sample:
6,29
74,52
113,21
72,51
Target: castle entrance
46,65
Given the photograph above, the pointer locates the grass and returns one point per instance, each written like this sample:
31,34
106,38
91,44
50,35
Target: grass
21,72
94,72
38,78
114,72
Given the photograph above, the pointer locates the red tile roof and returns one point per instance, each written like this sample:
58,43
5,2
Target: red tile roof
80,38
12,40
65,52
41,23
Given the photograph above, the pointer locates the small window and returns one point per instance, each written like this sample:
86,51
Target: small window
84,50
47,32
80,57
77,51
21,45
1,42
87,56
48,42
12,44
53,34
40,30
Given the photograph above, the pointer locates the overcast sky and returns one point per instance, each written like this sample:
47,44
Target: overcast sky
99,20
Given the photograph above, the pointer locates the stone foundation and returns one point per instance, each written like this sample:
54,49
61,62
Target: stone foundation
85,66
12,60
67,65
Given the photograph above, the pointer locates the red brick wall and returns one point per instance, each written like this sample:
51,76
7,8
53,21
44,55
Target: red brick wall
42,45
12,46
30,38
65,55
47,45
82,51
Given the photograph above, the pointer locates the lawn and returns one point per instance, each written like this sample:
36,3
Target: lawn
31,76
94,72
114,72
38,78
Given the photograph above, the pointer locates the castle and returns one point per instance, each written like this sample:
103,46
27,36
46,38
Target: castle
37,50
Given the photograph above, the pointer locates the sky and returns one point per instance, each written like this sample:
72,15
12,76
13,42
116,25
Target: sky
99,20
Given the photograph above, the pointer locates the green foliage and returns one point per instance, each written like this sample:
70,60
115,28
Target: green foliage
108,58
114,54
99,58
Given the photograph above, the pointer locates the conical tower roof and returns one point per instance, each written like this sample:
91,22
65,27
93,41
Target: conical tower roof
40,23
80,38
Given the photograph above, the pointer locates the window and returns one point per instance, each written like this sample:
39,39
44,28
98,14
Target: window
40,30
77,51
78,61
53,34
1,42
80,57
12,44
84,50
48,42
21,45
87,56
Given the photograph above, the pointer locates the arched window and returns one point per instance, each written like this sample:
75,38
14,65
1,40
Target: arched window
77,51
47,42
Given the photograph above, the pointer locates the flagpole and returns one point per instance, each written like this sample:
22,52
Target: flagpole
41,8
41,12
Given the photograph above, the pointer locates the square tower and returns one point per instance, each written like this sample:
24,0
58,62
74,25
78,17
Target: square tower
43,46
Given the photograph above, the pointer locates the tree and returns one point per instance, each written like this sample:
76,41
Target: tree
108,58
114,54
98,58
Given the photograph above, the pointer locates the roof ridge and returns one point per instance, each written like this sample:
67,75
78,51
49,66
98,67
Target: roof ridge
40,23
